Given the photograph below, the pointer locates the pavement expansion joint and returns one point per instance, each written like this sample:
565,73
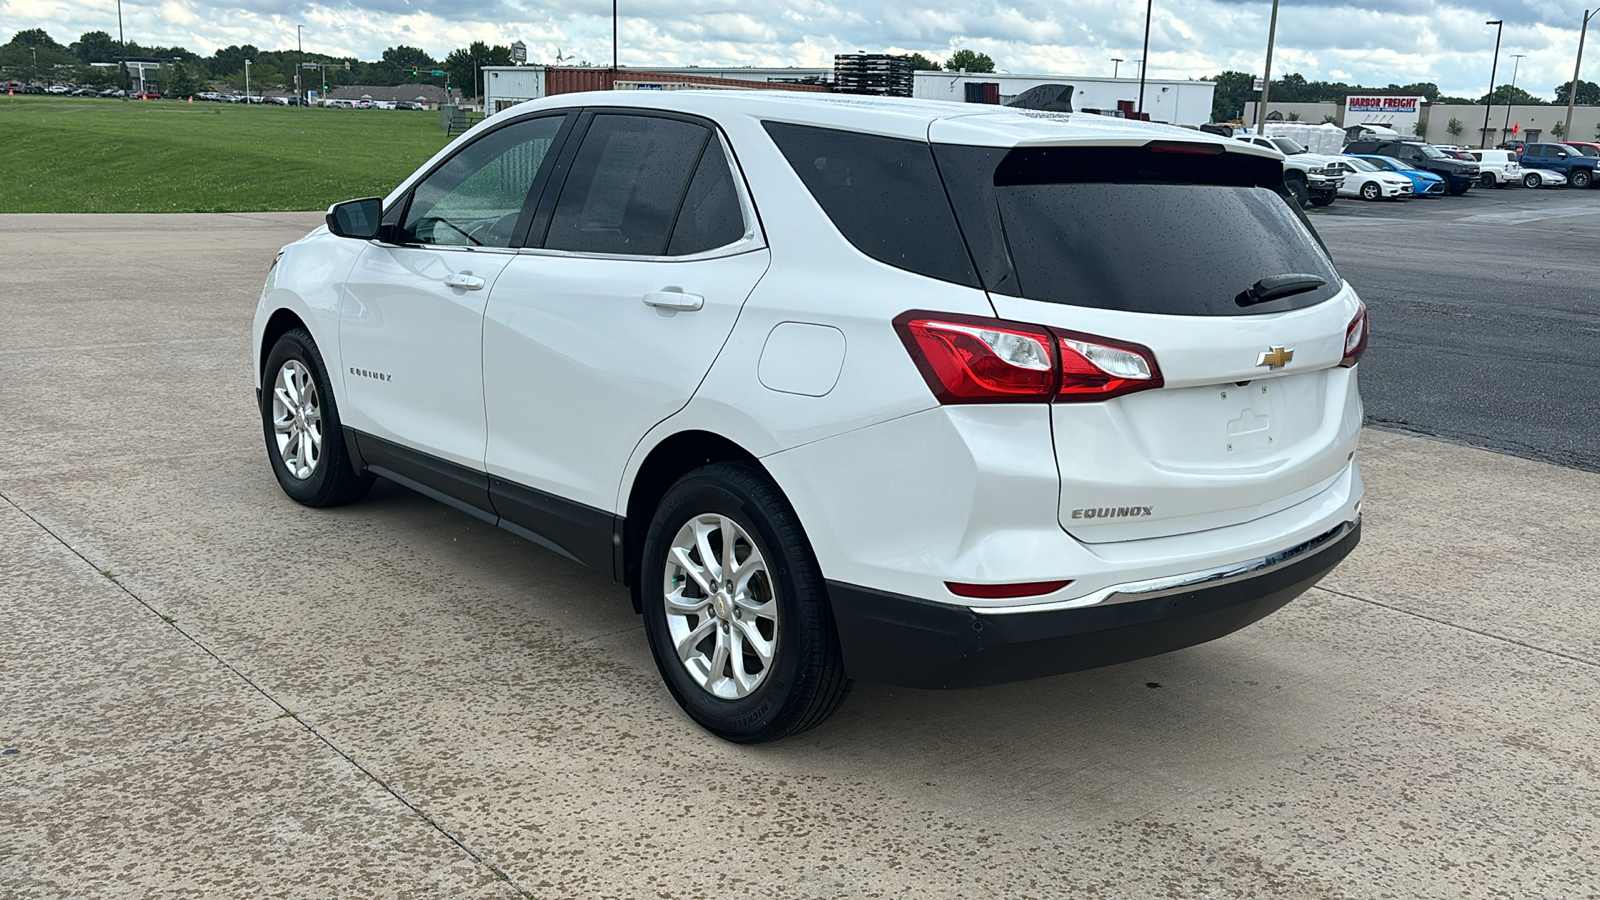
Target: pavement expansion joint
1570,657
391,790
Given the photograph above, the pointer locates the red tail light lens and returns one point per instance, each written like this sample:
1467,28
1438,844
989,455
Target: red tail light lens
1355,338
967,359
1097,368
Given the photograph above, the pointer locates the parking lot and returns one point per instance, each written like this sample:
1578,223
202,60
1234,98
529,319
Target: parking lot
208,690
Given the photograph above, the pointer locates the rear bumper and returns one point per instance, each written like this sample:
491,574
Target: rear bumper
895,639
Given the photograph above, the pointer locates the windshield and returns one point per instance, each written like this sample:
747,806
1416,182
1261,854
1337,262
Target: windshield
1403,166
1361,165
1431,151
1288,147
1579,148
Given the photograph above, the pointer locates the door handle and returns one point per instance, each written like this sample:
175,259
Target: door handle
464,281
674,300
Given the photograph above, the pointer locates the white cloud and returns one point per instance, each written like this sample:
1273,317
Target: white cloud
1376,43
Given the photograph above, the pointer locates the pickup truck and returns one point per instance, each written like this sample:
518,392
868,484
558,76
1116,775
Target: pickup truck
1458,175
1569,161
1310,177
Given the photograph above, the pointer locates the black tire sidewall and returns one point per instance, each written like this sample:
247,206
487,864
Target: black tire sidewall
752,718
1581,179
313,491
1299,191
1532,181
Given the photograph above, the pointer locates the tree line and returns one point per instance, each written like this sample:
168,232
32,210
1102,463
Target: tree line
32,56
1236,89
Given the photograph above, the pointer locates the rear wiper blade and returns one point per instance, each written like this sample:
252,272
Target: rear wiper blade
1273,287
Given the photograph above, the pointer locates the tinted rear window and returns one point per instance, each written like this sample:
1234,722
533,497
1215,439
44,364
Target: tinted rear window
883,194
1127,229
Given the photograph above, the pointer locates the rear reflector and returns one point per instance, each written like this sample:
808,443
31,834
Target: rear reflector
1006,591
1355,338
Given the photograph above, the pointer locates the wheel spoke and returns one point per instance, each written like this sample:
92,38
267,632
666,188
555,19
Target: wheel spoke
730,543
743,681
752,564
752,637
679,605
686,645
680,555
719,658
281,394
702,540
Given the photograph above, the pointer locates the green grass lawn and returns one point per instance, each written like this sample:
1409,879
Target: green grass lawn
101,156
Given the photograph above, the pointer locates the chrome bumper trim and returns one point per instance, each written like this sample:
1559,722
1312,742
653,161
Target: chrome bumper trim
1150,589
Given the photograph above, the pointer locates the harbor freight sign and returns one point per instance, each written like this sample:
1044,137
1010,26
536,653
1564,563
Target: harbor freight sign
1398,112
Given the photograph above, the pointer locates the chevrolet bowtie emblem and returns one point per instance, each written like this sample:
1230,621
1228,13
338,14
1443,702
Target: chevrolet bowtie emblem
1276,358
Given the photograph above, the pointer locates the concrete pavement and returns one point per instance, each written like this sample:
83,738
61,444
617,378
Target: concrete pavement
207,690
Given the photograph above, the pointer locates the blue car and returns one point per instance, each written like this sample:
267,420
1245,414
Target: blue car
1423,184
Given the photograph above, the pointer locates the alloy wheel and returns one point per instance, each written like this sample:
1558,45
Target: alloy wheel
722,611
297,419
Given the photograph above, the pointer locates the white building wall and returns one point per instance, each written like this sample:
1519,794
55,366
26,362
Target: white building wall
1174,102
505,86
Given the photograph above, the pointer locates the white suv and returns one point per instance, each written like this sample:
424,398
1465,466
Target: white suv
921,393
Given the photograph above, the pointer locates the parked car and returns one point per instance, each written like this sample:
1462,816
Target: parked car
1497,168
1543,178
1423,184
1513,146
146,95
1310,177
1587,148
820,445
1459,175
58,89
1369,182
408,104
1563,158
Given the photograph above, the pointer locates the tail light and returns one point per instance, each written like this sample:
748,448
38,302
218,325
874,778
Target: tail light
1355,338
1006,591
967,359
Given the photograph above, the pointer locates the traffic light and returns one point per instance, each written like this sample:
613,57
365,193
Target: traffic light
413,70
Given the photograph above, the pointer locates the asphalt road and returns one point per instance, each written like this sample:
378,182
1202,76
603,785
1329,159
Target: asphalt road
1485,312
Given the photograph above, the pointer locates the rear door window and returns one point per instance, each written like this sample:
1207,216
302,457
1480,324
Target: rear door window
626,185
1129,229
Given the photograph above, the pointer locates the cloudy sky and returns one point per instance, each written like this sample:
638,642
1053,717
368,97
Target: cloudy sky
1375,42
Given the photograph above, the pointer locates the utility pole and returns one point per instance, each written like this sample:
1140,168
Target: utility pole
1149,7
1572,89
1500,27
300,68
1115,65
613,40
1514,66
122,63
1266,76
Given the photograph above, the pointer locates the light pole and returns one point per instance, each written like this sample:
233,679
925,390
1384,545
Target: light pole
299,87
613,39
1514,66
1266,75
1116,64
247,82
1149,7
1572,89
1500,26
122,63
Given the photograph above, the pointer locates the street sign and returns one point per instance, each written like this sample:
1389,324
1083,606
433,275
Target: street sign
437,72
519,53
1257,86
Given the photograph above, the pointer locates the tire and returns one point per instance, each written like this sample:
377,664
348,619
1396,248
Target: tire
1371,191
1581,178
1451,189
1531,180
1324,198
1298,190
783,604
296,403
1487,180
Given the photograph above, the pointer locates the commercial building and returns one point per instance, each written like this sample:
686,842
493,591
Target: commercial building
1413,115
1165,100
506,86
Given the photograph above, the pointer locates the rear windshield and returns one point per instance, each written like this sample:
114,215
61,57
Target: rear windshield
1127,229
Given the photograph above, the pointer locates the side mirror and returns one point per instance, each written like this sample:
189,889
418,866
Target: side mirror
357,219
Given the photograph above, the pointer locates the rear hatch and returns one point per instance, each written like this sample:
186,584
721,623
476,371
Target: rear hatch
1188,256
